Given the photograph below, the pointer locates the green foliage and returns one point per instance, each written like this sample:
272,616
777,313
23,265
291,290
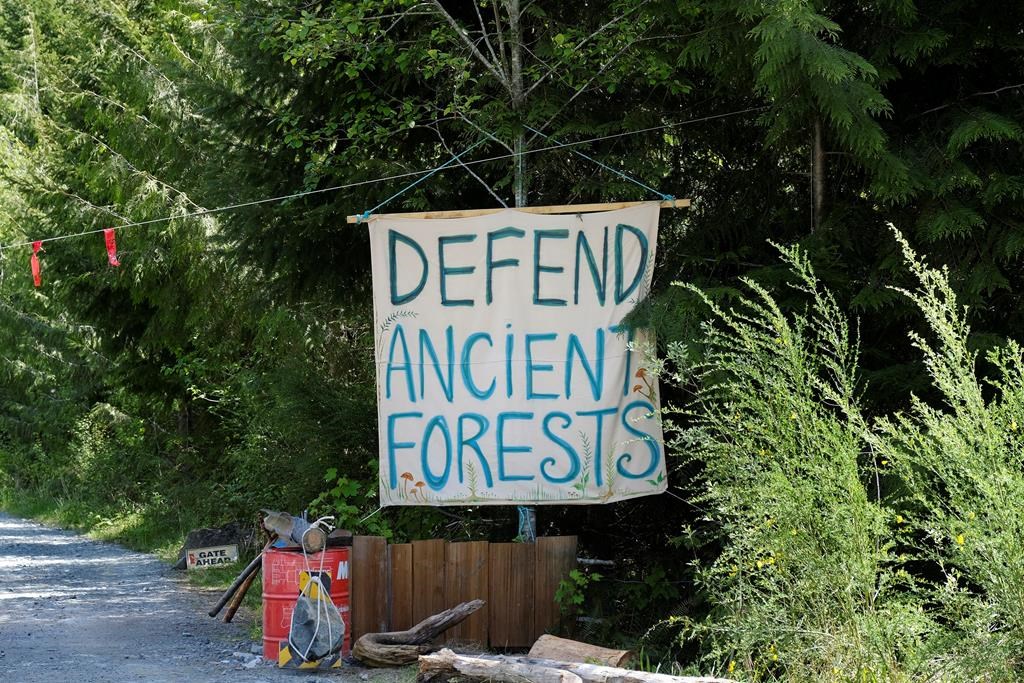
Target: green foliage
803,583
571,592
959,517
227,365
111,462
849,548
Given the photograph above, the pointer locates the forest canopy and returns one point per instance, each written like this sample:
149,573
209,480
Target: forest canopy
227,364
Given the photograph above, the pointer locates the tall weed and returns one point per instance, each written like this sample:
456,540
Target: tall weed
805,586
960,513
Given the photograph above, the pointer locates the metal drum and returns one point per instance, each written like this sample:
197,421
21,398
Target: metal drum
281,569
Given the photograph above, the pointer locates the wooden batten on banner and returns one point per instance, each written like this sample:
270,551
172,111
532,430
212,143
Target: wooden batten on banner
560,208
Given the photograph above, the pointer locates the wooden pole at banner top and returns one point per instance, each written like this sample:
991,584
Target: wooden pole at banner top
557,209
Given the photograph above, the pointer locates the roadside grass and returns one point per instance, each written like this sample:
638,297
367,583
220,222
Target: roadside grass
143,529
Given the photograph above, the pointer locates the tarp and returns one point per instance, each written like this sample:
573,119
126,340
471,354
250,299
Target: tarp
504,375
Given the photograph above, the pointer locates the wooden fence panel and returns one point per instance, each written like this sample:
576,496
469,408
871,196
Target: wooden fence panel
369,584
556,557
400,600
512,602
397,587
428,579
467,578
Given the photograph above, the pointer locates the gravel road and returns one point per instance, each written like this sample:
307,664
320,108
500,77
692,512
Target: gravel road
74,609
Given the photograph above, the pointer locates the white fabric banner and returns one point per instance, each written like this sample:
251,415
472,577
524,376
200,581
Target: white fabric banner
503,376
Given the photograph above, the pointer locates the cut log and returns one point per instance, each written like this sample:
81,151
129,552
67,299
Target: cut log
444,665
398,648
563,650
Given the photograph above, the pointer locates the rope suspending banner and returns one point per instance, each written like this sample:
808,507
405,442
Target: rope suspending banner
621,174
375,181
366,214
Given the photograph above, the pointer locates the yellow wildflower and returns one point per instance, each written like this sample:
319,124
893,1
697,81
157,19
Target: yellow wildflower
971,515
1013,425
899,519
792,416
732,666
959,539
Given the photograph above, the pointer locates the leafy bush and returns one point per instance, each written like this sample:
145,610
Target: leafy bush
851,548
110,462
960,513
804,581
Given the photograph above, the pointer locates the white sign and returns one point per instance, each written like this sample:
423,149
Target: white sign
215,556
504,375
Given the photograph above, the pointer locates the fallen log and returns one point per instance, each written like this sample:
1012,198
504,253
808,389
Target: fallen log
445,665
398,648
563,650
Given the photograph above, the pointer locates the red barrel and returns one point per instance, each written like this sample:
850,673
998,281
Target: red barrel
281,569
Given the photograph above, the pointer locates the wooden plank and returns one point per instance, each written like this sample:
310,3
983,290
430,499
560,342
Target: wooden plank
560,208
556,557
500,584
427,579
369,585
467,578
400,602
512,602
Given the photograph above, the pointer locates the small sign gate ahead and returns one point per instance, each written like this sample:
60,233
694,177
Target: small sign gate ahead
215,556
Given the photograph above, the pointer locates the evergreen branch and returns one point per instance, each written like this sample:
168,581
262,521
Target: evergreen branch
124,159
89,204
103,98
470,122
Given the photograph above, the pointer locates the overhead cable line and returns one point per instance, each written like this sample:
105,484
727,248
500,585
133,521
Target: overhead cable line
375,181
